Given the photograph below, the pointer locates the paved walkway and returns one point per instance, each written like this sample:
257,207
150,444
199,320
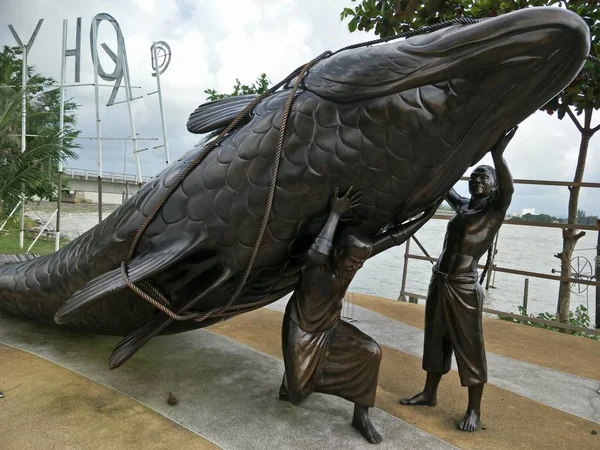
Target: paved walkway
570,393
542,391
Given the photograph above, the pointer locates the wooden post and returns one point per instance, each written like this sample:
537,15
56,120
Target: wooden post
492,265
525,295
489,277
598,278
402,297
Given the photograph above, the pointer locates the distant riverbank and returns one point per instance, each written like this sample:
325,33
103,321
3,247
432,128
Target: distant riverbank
519,247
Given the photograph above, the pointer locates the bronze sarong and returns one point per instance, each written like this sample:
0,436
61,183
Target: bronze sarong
341,361
453,323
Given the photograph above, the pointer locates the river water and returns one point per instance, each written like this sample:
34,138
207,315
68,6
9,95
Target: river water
519,247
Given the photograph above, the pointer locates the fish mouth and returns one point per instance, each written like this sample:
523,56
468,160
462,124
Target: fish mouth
515,64
457,90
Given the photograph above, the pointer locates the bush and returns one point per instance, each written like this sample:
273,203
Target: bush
579,318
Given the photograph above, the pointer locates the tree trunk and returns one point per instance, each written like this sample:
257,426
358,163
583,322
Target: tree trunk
570,236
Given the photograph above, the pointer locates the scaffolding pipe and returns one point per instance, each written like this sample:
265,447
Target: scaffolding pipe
63,72
131,121
160,104
402,296
98,123
9,216
42,230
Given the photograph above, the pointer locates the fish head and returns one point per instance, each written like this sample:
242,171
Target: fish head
452,93
511,65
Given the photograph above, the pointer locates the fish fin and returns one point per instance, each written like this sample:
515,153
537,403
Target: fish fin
131,343
218,114
110,282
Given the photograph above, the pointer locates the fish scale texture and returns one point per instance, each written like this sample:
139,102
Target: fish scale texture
220,204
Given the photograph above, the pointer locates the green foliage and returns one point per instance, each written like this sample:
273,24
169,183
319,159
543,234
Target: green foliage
261,85
9,244
391,17
35,170
582,218
579,318
539,218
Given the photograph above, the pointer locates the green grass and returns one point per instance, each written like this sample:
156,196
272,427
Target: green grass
9,240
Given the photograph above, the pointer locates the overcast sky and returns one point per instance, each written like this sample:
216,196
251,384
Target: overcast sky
215,41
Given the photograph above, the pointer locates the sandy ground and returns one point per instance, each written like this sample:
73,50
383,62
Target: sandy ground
58,408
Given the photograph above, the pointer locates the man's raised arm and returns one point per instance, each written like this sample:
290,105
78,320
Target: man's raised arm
321,247
506,186
398,235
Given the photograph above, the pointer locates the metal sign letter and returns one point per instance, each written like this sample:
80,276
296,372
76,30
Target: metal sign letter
76,52
120,59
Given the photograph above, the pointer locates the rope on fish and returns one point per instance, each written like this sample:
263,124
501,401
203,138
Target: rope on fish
197,316
274,175
152,301
214,143
298,74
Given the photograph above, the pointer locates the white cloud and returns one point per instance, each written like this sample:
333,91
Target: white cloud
214,42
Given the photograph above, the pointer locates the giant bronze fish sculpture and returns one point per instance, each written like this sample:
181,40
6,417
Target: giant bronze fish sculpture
401,121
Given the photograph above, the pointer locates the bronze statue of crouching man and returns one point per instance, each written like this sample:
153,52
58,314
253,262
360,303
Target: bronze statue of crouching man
321,352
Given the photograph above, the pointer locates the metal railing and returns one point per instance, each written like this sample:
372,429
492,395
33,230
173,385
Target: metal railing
404,294
113,177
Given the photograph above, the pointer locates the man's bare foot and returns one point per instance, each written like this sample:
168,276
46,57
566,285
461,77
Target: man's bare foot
283,393
362,422
470,421
421,399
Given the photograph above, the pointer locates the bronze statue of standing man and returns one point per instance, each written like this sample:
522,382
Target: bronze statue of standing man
455,299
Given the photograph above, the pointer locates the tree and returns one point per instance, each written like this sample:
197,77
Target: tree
258,87
584,219
581,97
539,218
33,172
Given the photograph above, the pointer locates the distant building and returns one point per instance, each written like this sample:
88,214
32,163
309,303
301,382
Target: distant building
523,212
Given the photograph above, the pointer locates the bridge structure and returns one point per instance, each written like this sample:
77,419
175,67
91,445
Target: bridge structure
82,186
